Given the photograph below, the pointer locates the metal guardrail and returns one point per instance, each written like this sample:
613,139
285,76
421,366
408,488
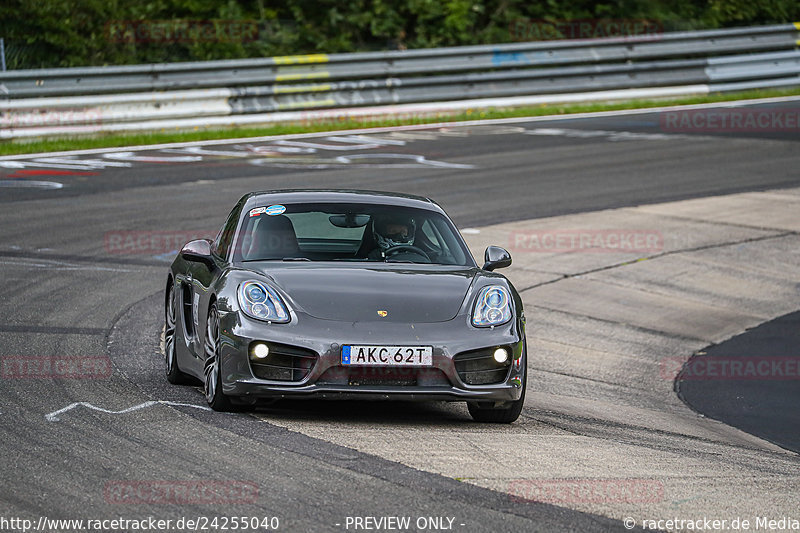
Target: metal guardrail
742,57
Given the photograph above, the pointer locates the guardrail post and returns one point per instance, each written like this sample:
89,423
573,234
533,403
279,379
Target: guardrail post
3,54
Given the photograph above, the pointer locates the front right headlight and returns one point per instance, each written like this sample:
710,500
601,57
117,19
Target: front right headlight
259,300
492,308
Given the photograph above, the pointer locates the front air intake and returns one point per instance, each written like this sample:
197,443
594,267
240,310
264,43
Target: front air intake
284,363
479,367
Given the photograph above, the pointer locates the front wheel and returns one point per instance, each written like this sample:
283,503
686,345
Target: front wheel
504,414
213,374
174,374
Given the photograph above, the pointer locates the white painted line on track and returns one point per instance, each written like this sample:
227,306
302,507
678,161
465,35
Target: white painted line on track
25,184
511,120
54,416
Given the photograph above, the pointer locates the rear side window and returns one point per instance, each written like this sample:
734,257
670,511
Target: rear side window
225,236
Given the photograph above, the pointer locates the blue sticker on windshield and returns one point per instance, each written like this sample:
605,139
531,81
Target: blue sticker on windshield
275,210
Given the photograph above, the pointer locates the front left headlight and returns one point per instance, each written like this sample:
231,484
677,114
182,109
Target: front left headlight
492,308
259,300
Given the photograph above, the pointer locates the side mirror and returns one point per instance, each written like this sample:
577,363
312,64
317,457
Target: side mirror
198,251
496,257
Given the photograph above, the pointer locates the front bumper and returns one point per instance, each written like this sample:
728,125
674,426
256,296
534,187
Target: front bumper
326,378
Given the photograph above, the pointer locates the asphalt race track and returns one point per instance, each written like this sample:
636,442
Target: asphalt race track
764,408
549,168
84,265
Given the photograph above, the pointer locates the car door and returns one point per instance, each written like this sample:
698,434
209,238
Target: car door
202,278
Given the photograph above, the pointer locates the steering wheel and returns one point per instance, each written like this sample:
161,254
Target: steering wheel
394,250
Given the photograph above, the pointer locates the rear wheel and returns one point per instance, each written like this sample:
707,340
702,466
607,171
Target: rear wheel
504,414
213,382
174,374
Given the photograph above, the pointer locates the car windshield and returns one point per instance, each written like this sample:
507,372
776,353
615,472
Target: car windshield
349,232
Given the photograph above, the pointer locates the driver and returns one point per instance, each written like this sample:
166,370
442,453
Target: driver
390,231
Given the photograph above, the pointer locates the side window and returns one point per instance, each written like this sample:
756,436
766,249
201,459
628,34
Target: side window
225,236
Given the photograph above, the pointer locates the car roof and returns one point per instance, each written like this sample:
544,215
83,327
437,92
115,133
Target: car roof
354,196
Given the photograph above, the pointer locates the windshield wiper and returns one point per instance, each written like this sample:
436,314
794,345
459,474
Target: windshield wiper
296,259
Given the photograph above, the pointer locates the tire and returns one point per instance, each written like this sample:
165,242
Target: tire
174,374
499,415
212,386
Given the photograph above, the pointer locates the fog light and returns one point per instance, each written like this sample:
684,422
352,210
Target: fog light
501,355
261,350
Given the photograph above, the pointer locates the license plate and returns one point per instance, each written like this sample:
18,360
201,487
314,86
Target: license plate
387,355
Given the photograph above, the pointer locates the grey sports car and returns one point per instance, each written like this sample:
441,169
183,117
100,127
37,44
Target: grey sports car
343,295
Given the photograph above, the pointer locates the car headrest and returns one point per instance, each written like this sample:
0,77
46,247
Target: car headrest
274,238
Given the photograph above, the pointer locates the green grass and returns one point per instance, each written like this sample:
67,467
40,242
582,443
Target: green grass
9,147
